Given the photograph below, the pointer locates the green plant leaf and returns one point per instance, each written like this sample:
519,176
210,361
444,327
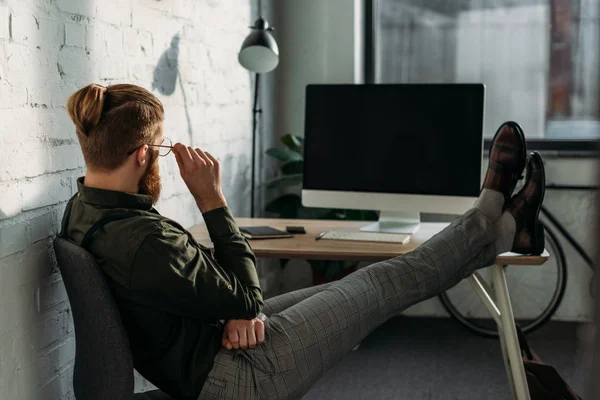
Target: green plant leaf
285,206
285,181
292,142
293,167
313,213
285,155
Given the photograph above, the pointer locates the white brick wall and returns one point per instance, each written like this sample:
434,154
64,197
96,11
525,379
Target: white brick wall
48,49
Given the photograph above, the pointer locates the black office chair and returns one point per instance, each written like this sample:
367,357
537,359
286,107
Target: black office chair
103,361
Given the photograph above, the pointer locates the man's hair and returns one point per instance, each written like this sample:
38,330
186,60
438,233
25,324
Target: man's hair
113,120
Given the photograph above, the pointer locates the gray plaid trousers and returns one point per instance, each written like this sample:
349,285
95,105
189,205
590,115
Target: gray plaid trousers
309,330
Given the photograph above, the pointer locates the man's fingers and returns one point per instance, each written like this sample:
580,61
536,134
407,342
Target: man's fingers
178,159
234,338
211,158
226,343
214,161
259,328
202,154
252,336
189,158
185,156
198,160
243,334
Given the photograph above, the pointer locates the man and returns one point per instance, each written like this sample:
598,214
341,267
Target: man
172,292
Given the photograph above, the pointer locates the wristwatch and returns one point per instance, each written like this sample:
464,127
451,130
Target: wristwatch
260,316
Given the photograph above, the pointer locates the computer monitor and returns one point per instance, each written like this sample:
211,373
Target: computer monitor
398,148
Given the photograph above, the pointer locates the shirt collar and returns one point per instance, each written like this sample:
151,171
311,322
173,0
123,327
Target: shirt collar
113,198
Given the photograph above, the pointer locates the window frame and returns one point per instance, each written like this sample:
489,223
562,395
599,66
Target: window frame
585,148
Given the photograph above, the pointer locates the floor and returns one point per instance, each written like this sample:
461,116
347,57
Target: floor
437,359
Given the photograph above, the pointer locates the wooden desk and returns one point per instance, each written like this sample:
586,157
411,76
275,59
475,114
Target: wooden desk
305,247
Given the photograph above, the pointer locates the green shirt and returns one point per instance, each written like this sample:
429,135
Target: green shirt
171,291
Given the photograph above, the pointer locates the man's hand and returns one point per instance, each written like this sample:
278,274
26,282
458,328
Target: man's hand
243,334
201,173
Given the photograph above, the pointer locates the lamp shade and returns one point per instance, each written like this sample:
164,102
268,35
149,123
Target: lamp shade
259,52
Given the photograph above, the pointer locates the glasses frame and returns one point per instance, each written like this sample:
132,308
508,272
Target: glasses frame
170,147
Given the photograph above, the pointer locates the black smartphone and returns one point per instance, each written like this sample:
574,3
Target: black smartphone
297,230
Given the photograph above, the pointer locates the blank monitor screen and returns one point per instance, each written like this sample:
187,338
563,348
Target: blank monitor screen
421,139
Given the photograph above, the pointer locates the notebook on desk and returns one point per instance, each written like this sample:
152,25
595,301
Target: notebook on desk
263,232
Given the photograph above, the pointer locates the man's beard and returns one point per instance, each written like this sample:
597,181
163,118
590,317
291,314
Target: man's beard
150,181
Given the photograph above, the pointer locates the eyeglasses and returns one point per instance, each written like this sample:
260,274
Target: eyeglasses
164,148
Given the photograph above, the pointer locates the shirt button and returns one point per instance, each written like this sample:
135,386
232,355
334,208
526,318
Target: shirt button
229,287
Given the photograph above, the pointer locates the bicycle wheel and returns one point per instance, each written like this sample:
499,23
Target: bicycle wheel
537,291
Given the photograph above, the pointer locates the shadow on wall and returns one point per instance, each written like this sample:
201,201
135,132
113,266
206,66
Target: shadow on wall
167,74
166,71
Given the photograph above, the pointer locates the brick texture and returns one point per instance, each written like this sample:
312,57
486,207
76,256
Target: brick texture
185,51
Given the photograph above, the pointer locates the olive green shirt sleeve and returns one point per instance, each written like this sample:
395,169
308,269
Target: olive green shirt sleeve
174,273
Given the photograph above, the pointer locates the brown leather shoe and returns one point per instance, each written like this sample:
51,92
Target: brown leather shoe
508,155
525,208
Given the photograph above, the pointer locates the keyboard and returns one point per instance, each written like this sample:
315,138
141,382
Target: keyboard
365,237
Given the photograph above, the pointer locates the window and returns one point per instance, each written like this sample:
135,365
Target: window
539,59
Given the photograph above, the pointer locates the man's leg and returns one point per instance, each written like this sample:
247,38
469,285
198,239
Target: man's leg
286,300
306,339
489,203
303,341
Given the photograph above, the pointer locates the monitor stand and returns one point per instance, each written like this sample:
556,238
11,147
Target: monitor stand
395,222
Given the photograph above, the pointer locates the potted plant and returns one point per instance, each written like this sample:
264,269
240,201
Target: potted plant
289,205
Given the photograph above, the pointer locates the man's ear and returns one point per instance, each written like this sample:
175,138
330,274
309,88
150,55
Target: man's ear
141,155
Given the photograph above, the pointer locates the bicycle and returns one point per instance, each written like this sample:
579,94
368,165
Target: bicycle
476,318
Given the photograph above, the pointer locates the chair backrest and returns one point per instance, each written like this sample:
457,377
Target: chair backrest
103,361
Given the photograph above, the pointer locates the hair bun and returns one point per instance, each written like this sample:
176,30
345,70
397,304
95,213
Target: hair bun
85,107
